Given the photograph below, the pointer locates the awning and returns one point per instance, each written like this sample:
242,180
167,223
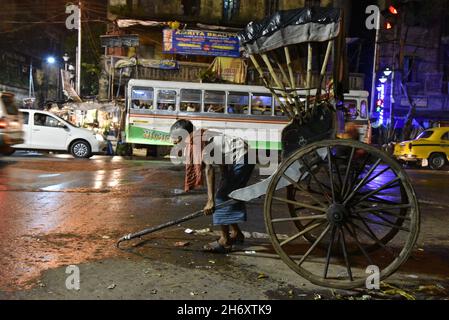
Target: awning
291,27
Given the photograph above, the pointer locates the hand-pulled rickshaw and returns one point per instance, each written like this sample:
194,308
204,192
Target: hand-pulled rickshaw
334,207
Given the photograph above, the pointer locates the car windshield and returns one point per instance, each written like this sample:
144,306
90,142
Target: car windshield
10,105
425,135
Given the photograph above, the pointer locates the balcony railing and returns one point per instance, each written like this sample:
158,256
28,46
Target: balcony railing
190,72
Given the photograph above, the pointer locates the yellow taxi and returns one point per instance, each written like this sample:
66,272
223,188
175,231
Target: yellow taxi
430,148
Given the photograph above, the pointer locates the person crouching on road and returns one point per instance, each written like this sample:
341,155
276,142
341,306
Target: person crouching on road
207,150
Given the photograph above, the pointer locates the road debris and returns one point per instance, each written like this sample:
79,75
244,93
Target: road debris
154,291
388,289
189,231
182,244
262,276
112,286
203,231
250,252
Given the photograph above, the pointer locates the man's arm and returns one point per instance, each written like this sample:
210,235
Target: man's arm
210,179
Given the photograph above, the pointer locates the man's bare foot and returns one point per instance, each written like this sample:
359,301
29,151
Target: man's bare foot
238,238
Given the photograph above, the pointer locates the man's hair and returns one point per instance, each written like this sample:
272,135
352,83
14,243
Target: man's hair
181,129
182,124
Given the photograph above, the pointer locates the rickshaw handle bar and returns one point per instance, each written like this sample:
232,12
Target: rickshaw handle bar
192,216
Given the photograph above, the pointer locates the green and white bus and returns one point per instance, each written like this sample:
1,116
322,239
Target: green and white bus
153,107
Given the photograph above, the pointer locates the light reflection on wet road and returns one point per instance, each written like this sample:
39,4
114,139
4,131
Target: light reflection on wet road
57,211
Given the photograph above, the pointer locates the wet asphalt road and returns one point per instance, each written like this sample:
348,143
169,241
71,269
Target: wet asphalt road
56,211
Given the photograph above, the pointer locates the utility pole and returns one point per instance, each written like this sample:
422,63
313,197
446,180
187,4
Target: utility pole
373,86
78,53
31,85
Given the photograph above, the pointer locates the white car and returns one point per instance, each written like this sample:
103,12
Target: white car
11,131
46,131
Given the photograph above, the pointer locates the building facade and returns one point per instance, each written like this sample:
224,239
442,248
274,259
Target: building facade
150,17
415,48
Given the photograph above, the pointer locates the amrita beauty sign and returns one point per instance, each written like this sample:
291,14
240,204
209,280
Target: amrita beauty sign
202,43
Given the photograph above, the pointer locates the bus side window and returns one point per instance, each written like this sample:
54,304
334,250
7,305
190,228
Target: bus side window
142,99
351,112
363,109
238,103
191,100
166,100
214,101
261,104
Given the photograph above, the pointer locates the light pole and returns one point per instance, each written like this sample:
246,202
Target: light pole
376,43
78,56
66,59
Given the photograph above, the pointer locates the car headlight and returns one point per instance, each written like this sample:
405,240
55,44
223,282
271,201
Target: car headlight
99,137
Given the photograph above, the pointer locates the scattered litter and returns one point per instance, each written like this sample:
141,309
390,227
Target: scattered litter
258,235
154,291
193,293
366,297
291,293
420,249
246,234
204,292
203,267
262,276
112,286
212,261
41,284
106,237
317,296
189,231
203,231
182,244
343,274
250,252
437,289
413,276
388,289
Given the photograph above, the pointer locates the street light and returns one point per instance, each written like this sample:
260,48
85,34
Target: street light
388,72
51,60
383,79
66,59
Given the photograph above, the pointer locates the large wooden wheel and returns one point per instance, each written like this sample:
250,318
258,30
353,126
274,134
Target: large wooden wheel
352,207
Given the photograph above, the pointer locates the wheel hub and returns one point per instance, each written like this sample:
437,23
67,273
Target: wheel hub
337,214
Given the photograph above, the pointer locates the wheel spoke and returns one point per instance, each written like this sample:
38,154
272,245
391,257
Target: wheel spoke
331,172
317,241
377,175
382,208
316,180
318,217
303,232
383,211
329,252
348,169
386,224
359,245
301,188
361,183
357,174
301,204
371,235
345,254
385,186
